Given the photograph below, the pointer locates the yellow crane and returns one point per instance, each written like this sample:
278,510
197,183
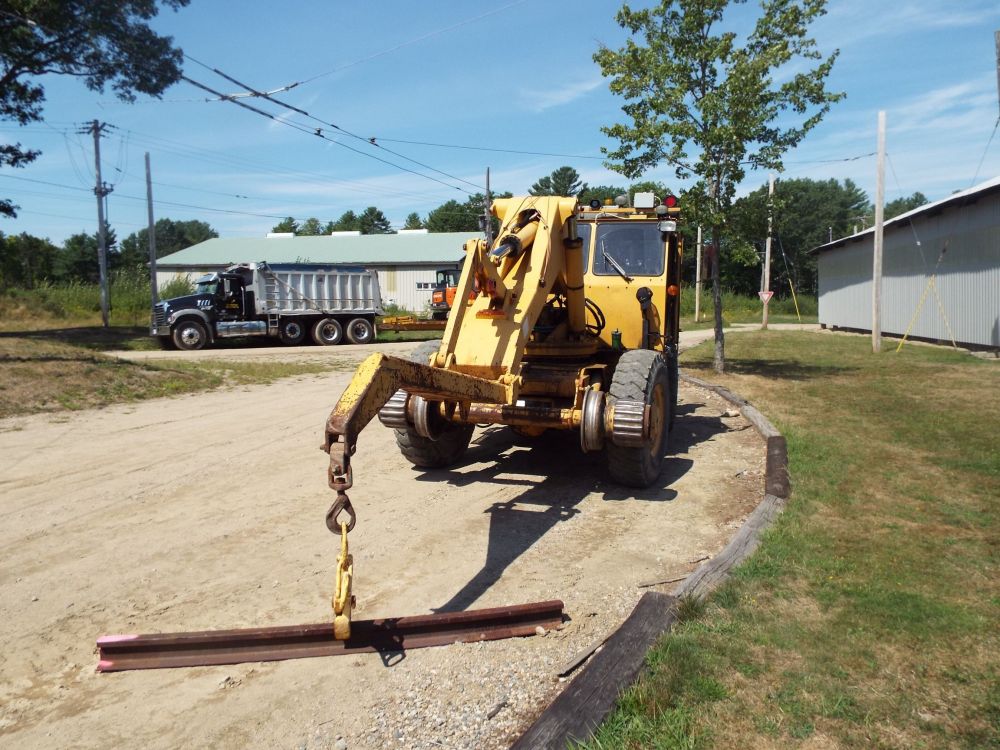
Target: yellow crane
570,322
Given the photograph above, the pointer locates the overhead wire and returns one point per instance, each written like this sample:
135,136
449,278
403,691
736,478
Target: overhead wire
985,151
319,133
292,108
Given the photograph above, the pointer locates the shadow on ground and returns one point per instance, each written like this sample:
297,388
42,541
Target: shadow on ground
556,477
784,369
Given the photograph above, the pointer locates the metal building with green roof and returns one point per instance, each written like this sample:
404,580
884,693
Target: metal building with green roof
406,262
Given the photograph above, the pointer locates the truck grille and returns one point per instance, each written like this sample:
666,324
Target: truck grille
160,314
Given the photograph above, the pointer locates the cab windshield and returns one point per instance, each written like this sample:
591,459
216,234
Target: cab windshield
628,249
207,286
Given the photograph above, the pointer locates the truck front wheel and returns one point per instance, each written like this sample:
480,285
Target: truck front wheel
360,331
291,332
189,335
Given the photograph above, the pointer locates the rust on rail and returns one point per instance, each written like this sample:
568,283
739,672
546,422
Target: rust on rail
210,647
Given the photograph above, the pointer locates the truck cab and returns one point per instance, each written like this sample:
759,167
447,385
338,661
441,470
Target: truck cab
443,296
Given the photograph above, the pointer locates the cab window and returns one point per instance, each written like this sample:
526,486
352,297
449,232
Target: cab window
583,231
637,250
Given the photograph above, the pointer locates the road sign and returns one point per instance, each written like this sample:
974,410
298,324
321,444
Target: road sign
765,296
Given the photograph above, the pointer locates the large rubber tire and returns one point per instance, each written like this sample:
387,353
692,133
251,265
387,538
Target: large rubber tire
189,335
291,332
642,375
327,332
360,331
450,445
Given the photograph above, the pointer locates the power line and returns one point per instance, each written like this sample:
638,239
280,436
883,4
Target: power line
486,148
292,108
319,133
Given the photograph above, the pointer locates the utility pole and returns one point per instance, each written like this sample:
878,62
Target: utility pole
766,292
101,190
877,244
697,279
152,234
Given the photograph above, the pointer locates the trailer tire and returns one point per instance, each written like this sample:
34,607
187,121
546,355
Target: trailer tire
360,331
327,332
291,332
189,335
450,445
642,375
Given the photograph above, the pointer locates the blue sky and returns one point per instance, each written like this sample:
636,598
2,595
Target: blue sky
514,76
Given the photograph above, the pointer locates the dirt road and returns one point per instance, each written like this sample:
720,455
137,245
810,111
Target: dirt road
206,511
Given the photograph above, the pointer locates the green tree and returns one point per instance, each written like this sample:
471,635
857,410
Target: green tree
900,206
26,260
806,214
600,193
310,228
171,237
413,221
373,221
348,222
706,101
461,217
77,260
288,224
563,181
101,42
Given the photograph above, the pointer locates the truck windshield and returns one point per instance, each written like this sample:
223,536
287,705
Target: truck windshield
637,249
207,287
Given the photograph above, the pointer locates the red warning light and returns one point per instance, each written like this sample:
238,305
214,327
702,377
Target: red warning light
670,201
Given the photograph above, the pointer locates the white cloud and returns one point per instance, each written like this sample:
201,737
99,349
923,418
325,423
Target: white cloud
539,100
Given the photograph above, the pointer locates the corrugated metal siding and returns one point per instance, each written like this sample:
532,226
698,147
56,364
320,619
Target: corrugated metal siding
967,278
410,288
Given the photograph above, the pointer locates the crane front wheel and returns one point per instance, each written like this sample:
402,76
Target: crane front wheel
642,376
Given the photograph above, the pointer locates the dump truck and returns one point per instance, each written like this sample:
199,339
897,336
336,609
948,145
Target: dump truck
286,301
567,319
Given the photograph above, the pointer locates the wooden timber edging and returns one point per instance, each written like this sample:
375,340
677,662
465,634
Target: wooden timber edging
581,707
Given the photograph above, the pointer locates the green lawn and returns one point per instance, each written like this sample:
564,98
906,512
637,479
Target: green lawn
869,615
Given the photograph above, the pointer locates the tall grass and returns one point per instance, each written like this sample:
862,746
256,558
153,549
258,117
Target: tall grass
77,303
737,308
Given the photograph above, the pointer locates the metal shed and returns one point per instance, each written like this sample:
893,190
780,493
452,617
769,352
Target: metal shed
942,259
406,263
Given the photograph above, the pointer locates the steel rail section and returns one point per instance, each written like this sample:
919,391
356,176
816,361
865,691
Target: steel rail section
119,653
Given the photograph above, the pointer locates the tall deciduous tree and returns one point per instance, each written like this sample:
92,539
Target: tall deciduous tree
101,42
706,101
563,181
26,260
77,261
